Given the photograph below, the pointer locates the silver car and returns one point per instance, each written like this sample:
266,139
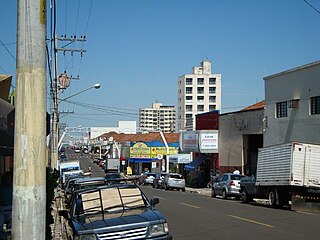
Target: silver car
227,185
174,181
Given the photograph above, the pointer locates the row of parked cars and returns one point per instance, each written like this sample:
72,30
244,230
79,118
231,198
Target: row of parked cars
167,181
112,207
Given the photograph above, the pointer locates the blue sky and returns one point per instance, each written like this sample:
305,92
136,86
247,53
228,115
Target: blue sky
137,49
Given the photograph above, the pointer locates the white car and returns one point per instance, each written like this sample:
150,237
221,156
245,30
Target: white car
174,181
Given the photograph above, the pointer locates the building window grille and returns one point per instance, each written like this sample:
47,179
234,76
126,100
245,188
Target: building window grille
189,108
188,81
282,109
212,81
212,99
188,98
212,107
200,108
212,90
188,90
200,90
200,98
315,105
200,81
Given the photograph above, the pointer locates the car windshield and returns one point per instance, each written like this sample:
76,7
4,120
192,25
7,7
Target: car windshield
109,200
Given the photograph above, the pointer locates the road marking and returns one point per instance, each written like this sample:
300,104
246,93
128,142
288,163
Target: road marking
307,213
252,221
193,206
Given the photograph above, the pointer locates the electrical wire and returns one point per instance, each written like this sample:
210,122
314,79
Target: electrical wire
8,50
311,6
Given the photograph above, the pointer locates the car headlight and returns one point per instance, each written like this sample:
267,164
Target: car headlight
85,237
158,229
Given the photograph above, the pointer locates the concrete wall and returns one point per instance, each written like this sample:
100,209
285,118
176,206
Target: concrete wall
299,83
232,129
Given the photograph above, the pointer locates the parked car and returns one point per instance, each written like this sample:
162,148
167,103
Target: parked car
118,211
158,180
112,178
173,181
147,178
227,185
63,157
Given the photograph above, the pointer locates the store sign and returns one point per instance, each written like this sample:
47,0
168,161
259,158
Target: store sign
140,150
155,151
209,141
190,140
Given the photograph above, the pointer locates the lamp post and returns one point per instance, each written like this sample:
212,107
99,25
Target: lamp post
55,121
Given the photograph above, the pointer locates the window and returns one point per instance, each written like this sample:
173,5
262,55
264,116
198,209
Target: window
200,108
188,90
189,108
212,81
212,90
315,105
200,90
200,98
212,99
189,98
212,107
200,81
188,116
282,109
188,81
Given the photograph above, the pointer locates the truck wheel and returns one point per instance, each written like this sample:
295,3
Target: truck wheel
244,196
224,194
272,198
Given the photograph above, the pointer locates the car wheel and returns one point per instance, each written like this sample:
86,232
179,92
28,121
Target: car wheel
213,193
244,196
272,198
224,194
183,189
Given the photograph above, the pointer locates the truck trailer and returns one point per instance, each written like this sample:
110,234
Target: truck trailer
286,174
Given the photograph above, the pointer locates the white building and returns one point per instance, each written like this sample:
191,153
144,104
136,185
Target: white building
198,92
127,127
292,106
158,118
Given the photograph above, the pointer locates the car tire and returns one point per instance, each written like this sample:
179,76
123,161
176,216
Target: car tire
183,189
224,194
213,193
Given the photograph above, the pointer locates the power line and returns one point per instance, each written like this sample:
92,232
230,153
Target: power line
7,50
311,6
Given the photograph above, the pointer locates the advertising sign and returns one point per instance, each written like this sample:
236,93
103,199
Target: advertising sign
209,141
140,150
161,150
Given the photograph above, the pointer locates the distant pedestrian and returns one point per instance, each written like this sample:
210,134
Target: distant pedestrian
236,171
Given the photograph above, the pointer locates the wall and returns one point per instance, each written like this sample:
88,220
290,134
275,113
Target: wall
300,83
233,129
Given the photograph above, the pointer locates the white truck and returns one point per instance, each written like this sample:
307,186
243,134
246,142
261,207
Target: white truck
68,166
112,165
286,174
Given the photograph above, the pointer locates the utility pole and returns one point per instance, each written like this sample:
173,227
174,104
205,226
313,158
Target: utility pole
29,182
55,99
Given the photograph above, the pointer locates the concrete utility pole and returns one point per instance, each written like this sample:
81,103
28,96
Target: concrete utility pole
29,189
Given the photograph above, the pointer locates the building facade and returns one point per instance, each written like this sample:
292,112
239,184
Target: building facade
292,107
198,92
157,118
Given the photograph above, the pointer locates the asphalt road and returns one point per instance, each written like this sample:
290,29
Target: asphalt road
194,216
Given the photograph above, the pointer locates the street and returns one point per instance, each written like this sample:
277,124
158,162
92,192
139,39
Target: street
196,216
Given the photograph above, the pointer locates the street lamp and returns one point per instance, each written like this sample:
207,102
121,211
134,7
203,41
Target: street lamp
55,121
96,86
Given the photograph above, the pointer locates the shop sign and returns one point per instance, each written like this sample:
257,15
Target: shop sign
190,140
209,141
161,150
140,150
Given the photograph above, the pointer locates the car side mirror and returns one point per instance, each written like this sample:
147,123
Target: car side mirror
64,213
154,201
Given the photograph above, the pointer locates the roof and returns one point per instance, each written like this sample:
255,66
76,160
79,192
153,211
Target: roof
292,70
5,84
141,137
255,106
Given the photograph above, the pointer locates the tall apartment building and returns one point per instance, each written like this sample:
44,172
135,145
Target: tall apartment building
198,92
157,118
